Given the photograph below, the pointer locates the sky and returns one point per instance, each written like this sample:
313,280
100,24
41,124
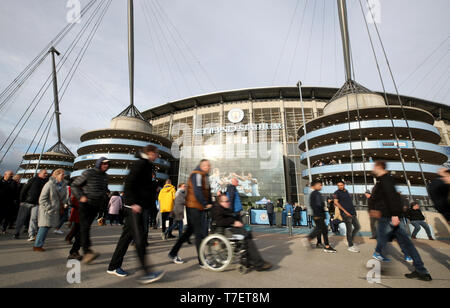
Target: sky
191,47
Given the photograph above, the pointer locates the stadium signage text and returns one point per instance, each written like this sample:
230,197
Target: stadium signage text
239,128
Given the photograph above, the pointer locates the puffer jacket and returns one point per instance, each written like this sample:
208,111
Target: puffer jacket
93,184
166,198
51,200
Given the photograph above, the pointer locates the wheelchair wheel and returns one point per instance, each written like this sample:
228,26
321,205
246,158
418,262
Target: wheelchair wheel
216,252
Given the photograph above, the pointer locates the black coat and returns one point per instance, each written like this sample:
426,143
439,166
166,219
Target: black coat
223,217
415,215
140,188
385,198
439,193
7,193
32,190
93,184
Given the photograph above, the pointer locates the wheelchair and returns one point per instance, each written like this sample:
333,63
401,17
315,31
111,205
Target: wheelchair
222,248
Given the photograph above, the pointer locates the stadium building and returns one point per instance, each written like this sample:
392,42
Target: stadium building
128,133
257,136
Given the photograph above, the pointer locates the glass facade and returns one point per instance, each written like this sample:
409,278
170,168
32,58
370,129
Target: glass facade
259,170
283,181
203,122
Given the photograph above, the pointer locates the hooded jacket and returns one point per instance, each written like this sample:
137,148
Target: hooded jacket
179,204
166,198
140,188
93,184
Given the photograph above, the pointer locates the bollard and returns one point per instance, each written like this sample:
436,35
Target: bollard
289,223
246,218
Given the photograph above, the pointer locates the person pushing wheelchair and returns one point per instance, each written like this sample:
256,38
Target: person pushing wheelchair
223,217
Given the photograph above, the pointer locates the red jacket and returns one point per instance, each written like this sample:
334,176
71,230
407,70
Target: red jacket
75,213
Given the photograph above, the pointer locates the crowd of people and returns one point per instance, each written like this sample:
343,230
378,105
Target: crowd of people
387,210
49,200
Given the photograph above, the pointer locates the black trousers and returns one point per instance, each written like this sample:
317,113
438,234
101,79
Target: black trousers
8,217
254,257
88,213
153,213
164,218
195,225
75,233
270,218
320,229
133,229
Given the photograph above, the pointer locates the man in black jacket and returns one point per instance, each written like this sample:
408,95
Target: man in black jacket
29,205
414,214
224,217
8,189
91,190
270,211
385,201
439,190
139,195
318,207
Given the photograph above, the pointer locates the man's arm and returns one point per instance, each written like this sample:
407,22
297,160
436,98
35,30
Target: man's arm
336,202
78,184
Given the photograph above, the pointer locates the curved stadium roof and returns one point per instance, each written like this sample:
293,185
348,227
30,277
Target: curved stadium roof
439,111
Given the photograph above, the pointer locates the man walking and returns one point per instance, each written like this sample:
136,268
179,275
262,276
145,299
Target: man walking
417,219
270,210
140,194
29,198
90,189
198,198
344,202
318,207
386,201
8,189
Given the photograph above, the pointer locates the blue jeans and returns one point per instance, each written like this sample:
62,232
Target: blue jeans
41,236
386,231
420,223
178,225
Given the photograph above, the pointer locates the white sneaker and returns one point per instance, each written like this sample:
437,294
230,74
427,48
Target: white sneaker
353,249
58,232
31,239
177,260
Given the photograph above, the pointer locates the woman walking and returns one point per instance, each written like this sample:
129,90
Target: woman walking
114,207
50,202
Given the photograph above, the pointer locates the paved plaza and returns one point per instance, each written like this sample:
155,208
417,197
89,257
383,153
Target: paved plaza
294,266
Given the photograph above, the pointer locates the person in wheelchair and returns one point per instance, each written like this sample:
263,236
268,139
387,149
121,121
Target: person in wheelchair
224,217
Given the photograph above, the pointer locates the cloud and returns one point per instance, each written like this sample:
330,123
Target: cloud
239,43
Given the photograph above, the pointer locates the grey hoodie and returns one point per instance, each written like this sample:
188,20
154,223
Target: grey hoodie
180,201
